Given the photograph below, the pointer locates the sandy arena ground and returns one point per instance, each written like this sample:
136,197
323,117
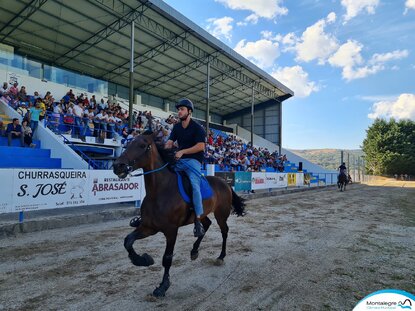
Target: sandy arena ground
317,250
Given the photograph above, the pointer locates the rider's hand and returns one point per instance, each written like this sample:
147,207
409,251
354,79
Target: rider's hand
178,154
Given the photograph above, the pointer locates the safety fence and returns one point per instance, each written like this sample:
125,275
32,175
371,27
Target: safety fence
36,189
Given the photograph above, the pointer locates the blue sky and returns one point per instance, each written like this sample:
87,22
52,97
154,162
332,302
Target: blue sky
348,61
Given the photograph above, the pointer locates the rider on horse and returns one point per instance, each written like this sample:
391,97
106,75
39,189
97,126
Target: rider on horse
342,170
190,137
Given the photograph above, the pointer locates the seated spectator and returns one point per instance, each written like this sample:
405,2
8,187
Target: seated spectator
4,91
27,134
22,95
22,109
1,127
14,90
14,130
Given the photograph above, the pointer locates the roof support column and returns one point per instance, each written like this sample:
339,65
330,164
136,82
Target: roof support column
207,97
130,106
280,128
252,116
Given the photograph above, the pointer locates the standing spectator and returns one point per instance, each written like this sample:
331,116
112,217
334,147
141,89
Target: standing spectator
79,128
102,105
34,114
14,130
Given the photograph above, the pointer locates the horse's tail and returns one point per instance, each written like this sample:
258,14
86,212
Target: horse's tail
238,204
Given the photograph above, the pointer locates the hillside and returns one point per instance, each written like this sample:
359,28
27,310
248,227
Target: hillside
327,158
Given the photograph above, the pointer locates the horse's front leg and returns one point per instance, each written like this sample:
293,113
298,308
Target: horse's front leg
194,253
171,236
139,233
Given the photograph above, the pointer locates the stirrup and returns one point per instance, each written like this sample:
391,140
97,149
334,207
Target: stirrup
135,222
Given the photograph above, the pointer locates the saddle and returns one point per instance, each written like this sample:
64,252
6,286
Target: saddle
185,188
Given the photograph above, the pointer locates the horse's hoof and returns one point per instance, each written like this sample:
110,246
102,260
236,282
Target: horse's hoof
194,255
141,261
219,262
158,292
149,260
162,289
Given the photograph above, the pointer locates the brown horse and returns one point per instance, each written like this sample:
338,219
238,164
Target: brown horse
164,210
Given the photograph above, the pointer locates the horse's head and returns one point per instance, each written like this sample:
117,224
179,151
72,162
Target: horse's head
137,155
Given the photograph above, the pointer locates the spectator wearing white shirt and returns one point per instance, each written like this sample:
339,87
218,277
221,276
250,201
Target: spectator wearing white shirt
79,129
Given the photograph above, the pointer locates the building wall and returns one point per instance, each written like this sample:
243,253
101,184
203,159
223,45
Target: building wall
266,122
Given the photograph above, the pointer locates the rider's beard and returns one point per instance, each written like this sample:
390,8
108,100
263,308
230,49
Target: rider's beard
183,118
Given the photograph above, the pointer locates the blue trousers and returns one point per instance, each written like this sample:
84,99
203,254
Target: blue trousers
192,169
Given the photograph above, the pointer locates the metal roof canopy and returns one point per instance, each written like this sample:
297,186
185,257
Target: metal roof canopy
171,52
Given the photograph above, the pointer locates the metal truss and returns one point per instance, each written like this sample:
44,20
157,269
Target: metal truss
101,35
149,54
198,53
20,17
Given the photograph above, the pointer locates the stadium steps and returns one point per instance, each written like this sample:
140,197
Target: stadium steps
18,157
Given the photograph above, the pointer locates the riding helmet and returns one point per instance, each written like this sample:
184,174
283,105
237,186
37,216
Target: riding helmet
185,102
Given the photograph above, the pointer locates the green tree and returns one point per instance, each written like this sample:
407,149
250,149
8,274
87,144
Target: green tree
390,147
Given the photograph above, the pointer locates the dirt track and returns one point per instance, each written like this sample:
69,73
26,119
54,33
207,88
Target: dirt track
317,250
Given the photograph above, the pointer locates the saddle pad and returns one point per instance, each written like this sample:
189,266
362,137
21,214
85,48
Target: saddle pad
205,188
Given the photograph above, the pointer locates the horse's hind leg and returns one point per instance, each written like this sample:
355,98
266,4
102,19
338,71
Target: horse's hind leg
194,253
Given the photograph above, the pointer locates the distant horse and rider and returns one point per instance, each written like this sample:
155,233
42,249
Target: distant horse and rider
343,178
165,207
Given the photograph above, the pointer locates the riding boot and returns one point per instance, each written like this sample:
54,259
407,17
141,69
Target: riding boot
198,231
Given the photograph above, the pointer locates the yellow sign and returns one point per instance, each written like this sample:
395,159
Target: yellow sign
292,179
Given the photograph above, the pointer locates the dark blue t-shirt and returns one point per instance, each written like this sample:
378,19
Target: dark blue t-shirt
188,137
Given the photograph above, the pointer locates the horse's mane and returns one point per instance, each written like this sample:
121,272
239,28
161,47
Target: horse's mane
167,155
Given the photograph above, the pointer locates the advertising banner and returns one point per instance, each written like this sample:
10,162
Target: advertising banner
227,176
276,180
105,187
6,190
268,180
243,181
258,181
300,180
36,189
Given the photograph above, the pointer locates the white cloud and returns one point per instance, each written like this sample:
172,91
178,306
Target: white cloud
331,18
220,27
262,52
401,108
251,19
296,79
348,58
382,58
409,5
261,8
355,7
266,34
315,43
348,55
351,73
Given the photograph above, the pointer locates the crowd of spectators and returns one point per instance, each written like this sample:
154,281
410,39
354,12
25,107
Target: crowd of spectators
232,153
81,115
